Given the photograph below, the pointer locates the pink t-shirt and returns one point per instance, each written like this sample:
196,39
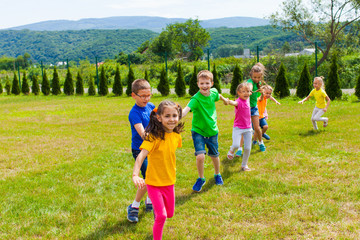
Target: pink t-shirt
242,114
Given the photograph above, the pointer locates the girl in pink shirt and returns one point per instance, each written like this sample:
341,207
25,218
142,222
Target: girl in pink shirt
242,123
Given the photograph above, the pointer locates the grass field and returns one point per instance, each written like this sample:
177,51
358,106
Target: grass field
66,166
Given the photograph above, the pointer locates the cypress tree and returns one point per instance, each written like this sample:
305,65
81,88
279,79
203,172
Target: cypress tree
357,88
8,86
216,79
1,88
117,87
55,84
146,77
103,88
35,85
304,85
15,86
69,84
281,84
193,87
79,84
25,89
45,85
333,89
91,89
130,80
163,87
180,85
236,80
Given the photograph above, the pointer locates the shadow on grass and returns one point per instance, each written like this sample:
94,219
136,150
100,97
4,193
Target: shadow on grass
107,229
311,132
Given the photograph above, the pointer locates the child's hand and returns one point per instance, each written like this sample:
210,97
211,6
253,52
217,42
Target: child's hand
324,109
278,103
301,102
226,102
139,182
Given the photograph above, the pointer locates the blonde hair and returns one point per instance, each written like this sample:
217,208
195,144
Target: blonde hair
321,80
259,68
139,84
243,85
262,89
205,74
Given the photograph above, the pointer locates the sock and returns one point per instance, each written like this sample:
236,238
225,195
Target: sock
148,200
262,142
217,174
240,149
135,204
203,179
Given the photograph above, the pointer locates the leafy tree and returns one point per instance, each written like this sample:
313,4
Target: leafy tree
55,84
216,79
103,88
163,87
304,85
180,85
1,88
45,85
333,89
357,88
323,21
15,85
25,89
91,89
281,84
163,43
146,76
286,48
117,87
8,86
35,89
193,87
236,80
69,83
79,84
130,80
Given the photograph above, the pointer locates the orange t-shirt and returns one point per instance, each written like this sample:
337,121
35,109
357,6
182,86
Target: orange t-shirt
262,108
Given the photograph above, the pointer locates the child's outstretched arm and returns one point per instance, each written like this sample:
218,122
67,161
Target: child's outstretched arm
304,100
185,111
225,100
327,103
232,103
273,99
138,181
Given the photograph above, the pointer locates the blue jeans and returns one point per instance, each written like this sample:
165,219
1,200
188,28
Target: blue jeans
262,122
254,111
211,143
145,163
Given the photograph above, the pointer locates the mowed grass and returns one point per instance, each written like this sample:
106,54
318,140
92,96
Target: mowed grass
66,166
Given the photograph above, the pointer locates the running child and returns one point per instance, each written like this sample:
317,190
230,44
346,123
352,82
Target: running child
322,102
204,126
162,138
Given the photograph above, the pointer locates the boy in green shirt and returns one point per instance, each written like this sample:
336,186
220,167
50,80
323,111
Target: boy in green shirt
204,127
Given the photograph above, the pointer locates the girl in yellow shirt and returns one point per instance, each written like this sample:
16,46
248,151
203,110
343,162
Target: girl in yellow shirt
162,138
322,102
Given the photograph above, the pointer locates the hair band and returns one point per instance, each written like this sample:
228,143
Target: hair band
155,110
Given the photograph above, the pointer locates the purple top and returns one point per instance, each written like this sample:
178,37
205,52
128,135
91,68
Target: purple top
242,114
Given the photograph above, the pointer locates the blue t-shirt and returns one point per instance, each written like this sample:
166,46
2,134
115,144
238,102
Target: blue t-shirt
139,115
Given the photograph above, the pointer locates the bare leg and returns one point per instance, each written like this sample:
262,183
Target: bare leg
200,164
216,163
257,129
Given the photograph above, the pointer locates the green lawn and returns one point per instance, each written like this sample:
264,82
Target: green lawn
66,166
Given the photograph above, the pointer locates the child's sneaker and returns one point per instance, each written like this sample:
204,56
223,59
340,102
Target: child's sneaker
245,169
255,142
262,147
238,153
267,137
326,123
132,214
218,179
230,155
198,185
148,207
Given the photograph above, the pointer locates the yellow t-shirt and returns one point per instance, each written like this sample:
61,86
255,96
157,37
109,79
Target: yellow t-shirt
161,169
320,96
261,107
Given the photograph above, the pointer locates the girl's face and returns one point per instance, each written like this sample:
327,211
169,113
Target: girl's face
244,93
267,93
169,118
256,76
317,84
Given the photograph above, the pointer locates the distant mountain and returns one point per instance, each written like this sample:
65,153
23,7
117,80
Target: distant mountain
137,22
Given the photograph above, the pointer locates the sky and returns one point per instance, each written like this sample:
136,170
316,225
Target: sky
22,12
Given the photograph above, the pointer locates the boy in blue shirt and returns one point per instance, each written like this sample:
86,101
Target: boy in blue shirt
139,118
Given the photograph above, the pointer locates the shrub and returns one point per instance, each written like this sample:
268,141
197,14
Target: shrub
69,83
35,85
45,85
25,89
216,79
163,86
91,89
304,85
146,76
130,80
79,84
1,88
8,86
281,84
236,80
180,85
15,86
117,87
357,88
55,84
193,86
333,89
103,88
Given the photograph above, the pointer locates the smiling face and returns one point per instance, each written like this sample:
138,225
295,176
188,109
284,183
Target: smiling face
142,97
169,118
317,84
205,85
256,76
267,93
244,92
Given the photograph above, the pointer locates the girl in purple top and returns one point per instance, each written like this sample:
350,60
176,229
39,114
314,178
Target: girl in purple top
242,123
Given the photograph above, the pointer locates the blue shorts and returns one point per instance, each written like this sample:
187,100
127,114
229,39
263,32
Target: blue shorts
211,143
262,122
145,163
254,111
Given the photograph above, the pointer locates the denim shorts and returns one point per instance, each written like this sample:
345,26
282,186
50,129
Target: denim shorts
211,143
254,111
262,122
145,163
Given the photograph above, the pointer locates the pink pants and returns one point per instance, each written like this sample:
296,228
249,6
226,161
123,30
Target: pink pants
163,201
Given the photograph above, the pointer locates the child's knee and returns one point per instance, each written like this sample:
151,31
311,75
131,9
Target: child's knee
160,218
200,157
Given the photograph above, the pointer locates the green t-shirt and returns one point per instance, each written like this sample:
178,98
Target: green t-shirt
204,113
254,96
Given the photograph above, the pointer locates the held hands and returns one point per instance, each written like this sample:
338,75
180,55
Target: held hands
226,101
138,181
